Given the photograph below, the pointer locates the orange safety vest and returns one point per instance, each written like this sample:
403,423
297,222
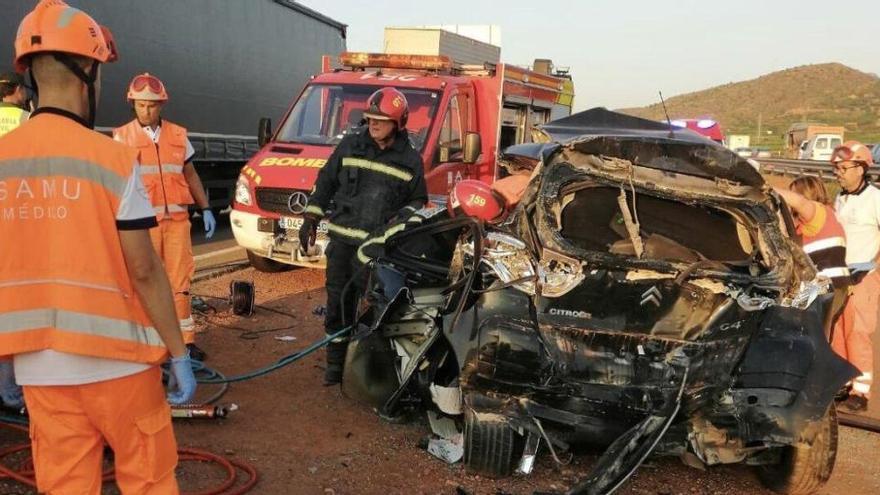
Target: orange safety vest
827,246
161,166
63,278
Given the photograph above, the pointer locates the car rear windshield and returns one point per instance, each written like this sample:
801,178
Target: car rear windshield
325,113
592,219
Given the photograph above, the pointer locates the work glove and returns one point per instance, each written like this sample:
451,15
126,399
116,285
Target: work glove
210,223
181,380
10,393
308,232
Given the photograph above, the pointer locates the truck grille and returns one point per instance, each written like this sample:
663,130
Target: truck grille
278,200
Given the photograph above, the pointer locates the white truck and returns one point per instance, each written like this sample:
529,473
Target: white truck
819,147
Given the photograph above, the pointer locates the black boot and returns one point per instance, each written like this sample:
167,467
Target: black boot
335,363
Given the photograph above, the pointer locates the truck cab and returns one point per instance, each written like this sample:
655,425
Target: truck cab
454,121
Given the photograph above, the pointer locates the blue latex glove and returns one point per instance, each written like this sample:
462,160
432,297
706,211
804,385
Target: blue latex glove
181,381
10,393
210,223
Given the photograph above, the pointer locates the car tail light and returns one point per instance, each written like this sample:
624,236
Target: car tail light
558,274
508,259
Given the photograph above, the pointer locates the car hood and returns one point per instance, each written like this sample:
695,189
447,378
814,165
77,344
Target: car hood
644,142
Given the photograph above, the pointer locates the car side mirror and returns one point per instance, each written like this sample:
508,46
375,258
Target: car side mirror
264,131
472,147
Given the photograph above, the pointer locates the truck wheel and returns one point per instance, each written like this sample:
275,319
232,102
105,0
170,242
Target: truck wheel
490,445
806,466
266,265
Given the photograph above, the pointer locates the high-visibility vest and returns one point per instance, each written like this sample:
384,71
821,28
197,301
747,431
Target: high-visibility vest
11,117
161,166
63,278
827,247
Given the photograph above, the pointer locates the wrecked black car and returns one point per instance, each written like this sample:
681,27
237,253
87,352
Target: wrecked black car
645,296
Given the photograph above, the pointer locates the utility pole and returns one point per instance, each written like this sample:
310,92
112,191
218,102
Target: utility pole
758,138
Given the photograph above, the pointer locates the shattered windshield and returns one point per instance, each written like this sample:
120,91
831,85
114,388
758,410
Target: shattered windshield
594,219
325,113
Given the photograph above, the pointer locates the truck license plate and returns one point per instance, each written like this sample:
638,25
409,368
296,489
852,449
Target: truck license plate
294,223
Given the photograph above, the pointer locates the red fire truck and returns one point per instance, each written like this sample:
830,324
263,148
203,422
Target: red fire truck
460,116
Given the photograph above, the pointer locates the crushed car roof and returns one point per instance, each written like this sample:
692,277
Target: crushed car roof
646,143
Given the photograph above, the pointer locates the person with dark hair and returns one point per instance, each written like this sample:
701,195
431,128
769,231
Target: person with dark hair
13,106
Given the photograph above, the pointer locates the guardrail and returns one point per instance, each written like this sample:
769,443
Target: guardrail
822,170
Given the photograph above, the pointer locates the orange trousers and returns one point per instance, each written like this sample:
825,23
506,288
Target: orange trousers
172,242
69,425
856,326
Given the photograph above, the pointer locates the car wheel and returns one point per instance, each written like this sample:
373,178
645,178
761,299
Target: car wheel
265,264
807,465
490,445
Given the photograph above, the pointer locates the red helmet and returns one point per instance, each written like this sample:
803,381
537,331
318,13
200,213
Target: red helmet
147,87
475,199
388,104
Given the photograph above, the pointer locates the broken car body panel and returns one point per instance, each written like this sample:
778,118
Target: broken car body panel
646,282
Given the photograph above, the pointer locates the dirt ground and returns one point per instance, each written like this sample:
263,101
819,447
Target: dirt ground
306,438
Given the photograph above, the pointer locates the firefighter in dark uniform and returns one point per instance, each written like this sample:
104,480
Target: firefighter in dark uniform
372,177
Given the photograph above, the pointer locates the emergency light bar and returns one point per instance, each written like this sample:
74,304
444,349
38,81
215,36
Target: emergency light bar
362,60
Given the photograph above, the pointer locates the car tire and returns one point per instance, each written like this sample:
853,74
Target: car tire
266,265
806,466
490,445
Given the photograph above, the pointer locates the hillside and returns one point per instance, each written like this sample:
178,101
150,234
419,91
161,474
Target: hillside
830,93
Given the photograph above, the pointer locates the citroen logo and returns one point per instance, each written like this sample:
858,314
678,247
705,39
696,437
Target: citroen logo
652,295
297,202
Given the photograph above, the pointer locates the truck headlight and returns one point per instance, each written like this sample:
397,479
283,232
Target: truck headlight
243,192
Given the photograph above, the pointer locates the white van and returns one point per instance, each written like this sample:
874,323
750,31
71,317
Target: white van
819,147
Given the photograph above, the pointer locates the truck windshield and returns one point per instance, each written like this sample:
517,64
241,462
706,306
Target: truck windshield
325,113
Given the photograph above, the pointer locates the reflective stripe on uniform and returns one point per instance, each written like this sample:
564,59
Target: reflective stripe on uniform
43,167
166,169
59,281
347,231
835,272
826,243
187,324
377,167
80,323
314,210
862,384
171,209
363,258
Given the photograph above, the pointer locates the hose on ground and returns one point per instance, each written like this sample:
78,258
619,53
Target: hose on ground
231,485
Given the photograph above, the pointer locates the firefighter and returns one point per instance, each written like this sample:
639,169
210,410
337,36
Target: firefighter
165,155
13,107
858,209
85,307
373,176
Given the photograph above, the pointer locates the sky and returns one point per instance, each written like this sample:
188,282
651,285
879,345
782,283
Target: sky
621,53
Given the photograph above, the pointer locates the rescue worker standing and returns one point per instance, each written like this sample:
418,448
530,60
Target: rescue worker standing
85,307
822,237
858,209
373,176
13,110
165,154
